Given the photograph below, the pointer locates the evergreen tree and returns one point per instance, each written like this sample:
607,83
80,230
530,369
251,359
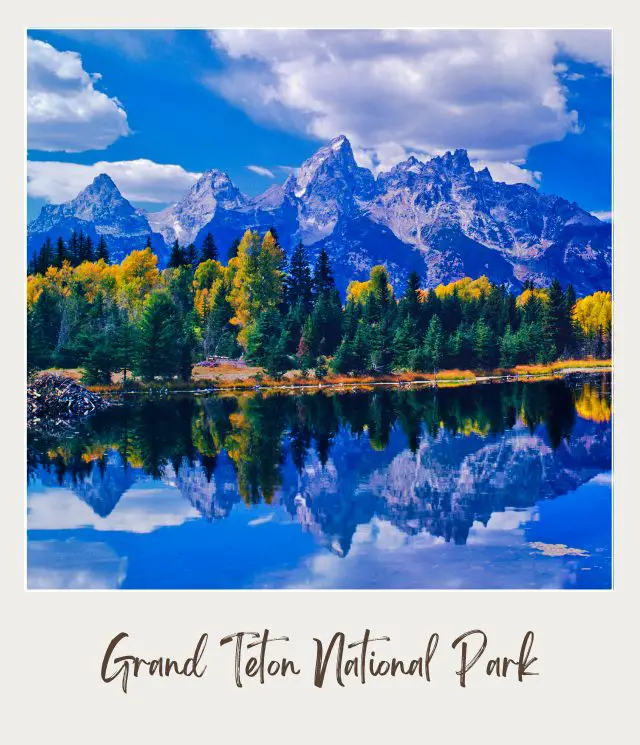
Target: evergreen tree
220,337
572,332
509,349
73,251
102,253
404,342
45,257
125,344
233,249
484,345
326,321
306,346
191,256
32,267
322,275
43,326
61,252
158,333
209,250
187,342
451,312
298,284
176,258
410,305
428,357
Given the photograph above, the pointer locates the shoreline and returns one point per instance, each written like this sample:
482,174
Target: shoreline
443,379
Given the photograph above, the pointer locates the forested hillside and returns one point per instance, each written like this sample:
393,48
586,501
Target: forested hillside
83,311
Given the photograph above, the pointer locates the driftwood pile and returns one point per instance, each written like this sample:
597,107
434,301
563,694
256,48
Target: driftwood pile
54,400
218,361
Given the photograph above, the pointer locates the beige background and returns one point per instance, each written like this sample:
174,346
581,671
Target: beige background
53,642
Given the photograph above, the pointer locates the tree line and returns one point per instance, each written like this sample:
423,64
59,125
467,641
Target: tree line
284,314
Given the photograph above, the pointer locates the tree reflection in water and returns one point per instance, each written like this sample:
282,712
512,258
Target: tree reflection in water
425,459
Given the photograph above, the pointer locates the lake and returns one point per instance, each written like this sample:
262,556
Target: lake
485,486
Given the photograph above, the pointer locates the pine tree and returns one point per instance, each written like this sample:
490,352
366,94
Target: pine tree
61,252
102,252
32,267
556,321
509,349
572,332
404,343
43,327
191,256
298,285
73,249
327,322
233,249
45,257
176,258
410,305
306,345
209,250
126,344
220,338
158,332
322,275
428,357
187,342
484,345
87,254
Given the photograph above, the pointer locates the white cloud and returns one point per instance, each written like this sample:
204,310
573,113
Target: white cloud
603,215
496,93
138,511
586,46
64,109
261,171
74,565
509,173
138,180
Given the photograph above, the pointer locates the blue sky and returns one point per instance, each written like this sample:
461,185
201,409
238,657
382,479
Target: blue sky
156,108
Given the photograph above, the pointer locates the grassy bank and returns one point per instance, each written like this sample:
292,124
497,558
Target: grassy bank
231,378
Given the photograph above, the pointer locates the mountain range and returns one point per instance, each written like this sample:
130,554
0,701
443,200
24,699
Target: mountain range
441,218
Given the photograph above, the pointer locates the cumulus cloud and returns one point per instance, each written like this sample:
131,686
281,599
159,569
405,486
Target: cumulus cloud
496,93
603,215
509,173
74,565
139,510
65,111
138,180
261,171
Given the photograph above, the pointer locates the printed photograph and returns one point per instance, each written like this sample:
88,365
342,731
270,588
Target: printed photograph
313,309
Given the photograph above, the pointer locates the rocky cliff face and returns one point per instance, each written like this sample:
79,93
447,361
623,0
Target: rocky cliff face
440,218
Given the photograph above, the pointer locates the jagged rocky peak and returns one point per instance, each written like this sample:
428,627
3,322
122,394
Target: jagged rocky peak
213,187
439,217
183,220
332,162
453,166
102,194
102,183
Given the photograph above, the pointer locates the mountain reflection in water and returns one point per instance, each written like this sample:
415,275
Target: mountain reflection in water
415,465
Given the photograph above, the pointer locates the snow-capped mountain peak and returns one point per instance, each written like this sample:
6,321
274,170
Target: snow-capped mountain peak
183,220
439,217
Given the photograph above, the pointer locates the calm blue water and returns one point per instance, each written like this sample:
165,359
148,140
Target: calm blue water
486,486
